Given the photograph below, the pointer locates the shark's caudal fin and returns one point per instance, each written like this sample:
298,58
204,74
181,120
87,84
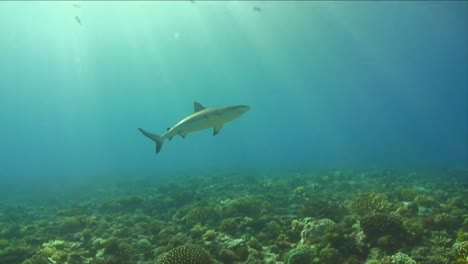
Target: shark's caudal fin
156,138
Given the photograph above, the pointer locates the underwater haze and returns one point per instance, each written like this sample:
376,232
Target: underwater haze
336,132
330,84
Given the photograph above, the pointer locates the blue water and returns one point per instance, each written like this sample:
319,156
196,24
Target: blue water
330,84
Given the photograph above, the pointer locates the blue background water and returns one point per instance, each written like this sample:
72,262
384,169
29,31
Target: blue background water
331,84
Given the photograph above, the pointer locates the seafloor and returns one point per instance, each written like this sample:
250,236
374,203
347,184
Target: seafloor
291,216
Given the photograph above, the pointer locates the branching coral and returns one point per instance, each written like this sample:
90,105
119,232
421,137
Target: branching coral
371,202
459,249
400,258
315,231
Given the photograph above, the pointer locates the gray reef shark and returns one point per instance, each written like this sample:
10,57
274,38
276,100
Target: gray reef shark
202,118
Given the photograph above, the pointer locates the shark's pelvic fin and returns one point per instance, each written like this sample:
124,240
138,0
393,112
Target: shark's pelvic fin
156,138
197,107
183,135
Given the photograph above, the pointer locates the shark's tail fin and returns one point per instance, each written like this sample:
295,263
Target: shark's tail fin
156,138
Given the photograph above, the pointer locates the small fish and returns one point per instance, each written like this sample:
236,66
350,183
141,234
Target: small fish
78,20
258,9
192,1
76,5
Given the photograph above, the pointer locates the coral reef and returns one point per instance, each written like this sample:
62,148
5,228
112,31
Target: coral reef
290,217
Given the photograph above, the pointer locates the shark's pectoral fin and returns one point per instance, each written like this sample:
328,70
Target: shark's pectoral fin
216,129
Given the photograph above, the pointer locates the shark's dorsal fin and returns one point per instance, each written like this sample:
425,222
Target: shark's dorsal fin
197,107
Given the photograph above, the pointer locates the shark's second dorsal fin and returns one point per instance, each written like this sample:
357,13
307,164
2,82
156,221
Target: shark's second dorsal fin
197,107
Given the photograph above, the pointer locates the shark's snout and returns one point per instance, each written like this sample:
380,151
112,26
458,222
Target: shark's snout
243,108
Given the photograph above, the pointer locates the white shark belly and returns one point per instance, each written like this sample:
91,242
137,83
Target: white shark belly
184,128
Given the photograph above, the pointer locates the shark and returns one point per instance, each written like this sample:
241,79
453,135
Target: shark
202,118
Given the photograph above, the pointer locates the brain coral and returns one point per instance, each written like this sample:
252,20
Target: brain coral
188,254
